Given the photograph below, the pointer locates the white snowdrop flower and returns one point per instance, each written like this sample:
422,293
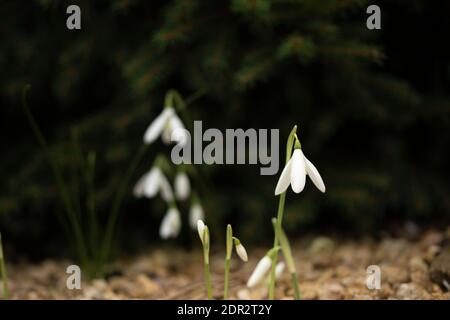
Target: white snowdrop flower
164,125
200,229
171,224
196,213
242,253
149,184
279,268
182,186
138,190
165,188
155,128
294,174
260,271
180,135
175,131
152,182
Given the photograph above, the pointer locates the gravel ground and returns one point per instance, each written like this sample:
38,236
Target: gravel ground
327,269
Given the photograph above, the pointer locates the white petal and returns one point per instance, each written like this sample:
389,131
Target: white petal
182,186
200,229
165,188
314,175
260,270
138,190
195,214
171,224
285,179
166,133
242,253
298,173
180,136
156,127
279,268
151,183
179,133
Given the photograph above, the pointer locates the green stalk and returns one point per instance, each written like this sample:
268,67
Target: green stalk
63,190
93,218
287,253
294,281
229,250
208,281
112,218
3,272
87,168
205,242
281,202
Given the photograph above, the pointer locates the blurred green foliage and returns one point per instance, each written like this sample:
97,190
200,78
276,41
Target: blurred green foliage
372,106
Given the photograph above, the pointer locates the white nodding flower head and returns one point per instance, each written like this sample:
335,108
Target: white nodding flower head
196,213
242,253
279,268
260,271
171,224
201,229
165,124
182,186
165,188
294,174
152,182
155,128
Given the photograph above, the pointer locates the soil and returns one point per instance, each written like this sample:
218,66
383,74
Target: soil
327,269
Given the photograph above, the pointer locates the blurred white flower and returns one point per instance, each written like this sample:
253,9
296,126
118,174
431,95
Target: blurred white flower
152,182
171,224
279,268
196,213
242,253
200,229
182,186
165,124
260,271
294,174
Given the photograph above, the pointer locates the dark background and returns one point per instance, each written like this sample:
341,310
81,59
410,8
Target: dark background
373,109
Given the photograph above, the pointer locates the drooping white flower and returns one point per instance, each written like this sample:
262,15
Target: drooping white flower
260,271
294,174
242,253
196,213
171,224
182,186
165,124
165,188
200,229
279,268
157,126
152,182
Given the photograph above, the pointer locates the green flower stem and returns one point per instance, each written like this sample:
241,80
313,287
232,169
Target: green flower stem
287,253
62,188
294,281
3,272
281,202
229,250
205,243
112,219
208,281
275,244
226,278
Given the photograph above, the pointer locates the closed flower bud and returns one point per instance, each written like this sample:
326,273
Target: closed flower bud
182,186
171,224
242,253
260,271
